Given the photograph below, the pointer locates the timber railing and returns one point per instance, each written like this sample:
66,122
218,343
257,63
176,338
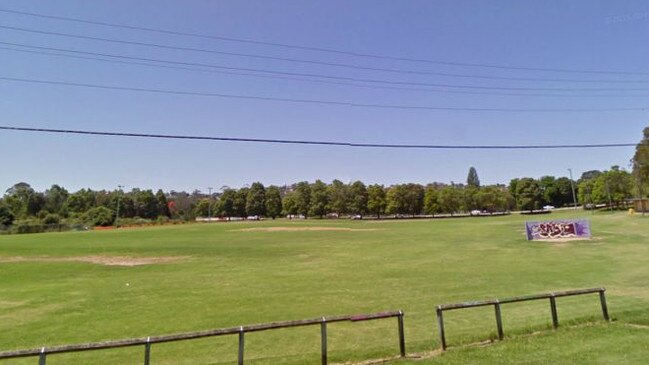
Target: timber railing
498,302
147,342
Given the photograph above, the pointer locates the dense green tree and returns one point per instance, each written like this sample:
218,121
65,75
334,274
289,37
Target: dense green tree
338,197
414,199
163,204
529,194
613,186
226,203
469,198
6,215
289,204
431,200
492,199
512,188
396,197
23,201
202,209
449,199
145,203
240,202
563,192
590,175
273,202
303,198
55,198
472,179
358,197
376,200
319,199
640,162
80,201
256,200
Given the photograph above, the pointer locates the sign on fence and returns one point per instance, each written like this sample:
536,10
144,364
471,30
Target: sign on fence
559,229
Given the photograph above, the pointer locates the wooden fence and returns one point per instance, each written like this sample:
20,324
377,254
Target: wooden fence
498,302
43,352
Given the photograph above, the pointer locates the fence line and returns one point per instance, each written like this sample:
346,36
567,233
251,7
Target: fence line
43,352
498,302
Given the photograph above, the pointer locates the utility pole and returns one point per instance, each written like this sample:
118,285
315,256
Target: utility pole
209,206
119,190
572,185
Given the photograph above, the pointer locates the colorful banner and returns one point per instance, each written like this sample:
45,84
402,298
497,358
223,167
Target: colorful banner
559,229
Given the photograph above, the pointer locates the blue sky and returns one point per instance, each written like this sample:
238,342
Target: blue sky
577,35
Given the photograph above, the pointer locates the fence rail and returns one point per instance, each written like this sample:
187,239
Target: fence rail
498,302
43,352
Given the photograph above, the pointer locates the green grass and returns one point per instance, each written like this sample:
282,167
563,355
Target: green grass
232,277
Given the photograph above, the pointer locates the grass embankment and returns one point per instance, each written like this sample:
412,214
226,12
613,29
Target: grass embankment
222,275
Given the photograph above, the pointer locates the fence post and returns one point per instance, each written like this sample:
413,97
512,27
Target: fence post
499,321
440,323
402,339
602,299
553,309
42,357
147,351
241,344
323,340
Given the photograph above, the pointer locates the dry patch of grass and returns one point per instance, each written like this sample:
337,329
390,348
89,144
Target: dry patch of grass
99,260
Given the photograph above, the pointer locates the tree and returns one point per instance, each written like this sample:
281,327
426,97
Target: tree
55,197
376,200
202,209
641,162
273,202
240,201
530,196
358,198
6,215
145,203
338,197
414,199
431,201
396,198
469,199
563,188
226,203
303,198
289,204
472,179
256,200
163,204
449,199
80,201
319,199
23,201
613,186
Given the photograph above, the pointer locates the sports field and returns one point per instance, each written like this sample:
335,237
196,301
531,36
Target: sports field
77,287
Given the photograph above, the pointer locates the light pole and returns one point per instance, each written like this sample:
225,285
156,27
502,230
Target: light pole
209,205
119,190
572,186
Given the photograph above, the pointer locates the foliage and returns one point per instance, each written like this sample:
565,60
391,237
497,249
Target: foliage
256,200
273,202
529,194
358,197
376,200
99,216
472,179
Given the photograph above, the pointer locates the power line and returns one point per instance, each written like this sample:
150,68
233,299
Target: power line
310,75
315,101
320,49
258,56
328,76
307,142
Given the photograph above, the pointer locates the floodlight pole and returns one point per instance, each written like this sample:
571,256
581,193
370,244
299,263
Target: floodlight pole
572,186
209,205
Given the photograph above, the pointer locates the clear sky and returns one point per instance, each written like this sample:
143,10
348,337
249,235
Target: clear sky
575,35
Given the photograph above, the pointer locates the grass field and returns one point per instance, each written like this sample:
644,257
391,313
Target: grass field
56,289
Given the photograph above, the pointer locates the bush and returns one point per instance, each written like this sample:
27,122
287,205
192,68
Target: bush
51,218
99,216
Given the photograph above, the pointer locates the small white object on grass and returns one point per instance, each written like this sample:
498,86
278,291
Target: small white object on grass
128,284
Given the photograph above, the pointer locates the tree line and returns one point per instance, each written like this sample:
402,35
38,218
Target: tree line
22,205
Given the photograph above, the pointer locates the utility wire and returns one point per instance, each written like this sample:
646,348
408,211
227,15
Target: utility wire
315,101
320,143
326,76
353,79
250,55
319,49
194,69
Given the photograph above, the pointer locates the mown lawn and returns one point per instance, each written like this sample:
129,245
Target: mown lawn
226,276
